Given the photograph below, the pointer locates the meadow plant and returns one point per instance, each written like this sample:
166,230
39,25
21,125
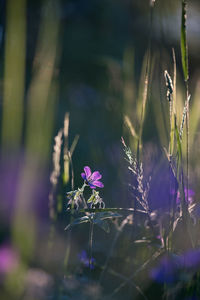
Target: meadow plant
77,197
151,246
171,261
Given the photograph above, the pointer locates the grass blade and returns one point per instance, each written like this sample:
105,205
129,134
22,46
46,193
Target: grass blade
184,49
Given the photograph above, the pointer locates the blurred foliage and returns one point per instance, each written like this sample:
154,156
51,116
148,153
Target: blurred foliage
87,59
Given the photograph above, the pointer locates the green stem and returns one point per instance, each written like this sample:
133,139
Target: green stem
187,140
81,194
91,241
109,255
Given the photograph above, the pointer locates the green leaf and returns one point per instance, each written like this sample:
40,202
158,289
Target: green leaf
106,215
111,209
184,49
91,199
78,221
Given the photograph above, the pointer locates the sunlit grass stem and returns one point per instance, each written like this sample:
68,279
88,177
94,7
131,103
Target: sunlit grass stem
14,75
91,232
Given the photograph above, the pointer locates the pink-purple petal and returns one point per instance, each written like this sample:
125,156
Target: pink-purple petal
87,171
95,176
83,176
92,186
98,183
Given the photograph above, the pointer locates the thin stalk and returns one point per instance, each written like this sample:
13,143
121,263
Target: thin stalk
173,129
67,252
66,153
171,144
174,84
141,268
184,57
82,197
130,282
109,255
119,230
72,170
91,242
187,140
146,85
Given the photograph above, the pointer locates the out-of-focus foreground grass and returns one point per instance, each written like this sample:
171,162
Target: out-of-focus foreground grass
28,113
102,109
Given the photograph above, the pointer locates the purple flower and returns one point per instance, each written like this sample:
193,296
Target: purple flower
8,259
92,179
84,259
191,259
190,196
167,269
171,268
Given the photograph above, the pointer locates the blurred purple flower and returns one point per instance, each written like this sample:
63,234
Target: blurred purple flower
166,271
11,170
92,179
84,259
191,259
178,198
190,196
8,259
161,183
172,267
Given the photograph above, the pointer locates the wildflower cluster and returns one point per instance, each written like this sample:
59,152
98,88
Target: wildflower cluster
76,197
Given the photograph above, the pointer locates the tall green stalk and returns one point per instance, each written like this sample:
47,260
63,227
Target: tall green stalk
184,58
